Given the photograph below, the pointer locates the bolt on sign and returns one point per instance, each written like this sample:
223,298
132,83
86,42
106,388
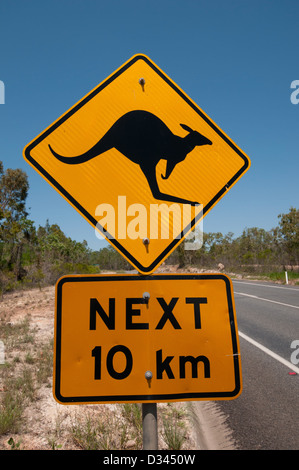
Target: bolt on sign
139,160
127,338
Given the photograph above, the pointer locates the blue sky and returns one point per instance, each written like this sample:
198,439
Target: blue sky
236,59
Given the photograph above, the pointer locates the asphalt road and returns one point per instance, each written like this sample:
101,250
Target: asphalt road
266,415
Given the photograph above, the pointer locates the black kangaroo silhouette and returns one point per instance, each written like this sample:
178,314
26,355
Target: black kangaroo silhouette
144,139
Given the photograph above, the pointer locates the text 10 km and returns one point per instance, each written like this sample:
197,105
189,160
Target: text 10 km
163,365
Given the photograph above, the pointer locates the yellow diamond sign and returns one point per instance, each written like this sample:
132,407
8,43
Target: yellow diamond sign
139,160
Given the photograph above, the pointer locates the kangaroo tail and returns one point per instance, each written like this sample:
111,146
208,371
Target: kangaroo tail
93,152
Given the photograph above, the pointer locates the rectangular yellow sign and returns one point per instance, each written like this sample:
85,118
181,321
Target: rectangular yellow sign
132,338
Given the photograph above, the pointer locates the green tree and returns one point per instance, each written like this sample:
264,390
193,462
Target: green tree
109,258
14,188
288,233
56,254
15,227
255,246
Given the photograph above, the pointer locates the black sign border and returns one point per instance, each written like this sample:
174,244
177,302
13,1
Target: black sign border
143,398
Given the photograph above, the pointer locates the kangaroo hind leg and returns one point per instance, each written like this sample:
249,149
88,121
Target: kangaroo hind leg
150,174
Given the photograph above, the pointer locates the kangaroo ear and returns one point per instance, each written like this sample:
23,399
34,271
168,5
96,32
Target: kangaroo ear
187,128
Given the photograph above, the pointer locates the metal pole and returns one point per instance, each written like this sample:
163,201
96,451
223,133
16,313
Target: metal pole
149,425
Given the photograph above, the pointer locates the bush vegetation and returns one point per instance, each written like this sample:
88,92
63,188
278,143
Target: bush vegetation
31,256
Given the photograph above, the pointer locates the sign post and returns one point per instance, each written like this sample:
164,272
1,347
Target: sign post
143,164
127,338
149,426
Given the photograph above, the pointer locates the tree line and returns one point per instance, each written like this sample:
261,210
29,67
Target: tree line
35,256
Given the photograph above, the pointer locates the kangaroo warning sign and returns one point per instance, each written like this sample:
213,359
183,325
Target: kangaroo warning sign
139,160
131,338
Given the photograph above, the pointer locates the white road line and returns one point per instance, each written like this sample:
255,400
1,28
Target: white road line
265,285
270,353
266,300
